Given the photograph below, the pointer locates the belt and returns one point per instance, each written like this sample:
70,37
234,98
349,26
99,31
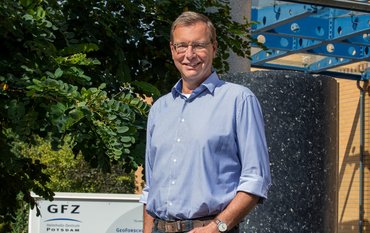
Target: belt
181,225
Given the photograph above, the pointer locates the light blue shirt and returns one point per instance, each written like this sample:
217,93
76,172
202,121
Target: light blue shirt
201,150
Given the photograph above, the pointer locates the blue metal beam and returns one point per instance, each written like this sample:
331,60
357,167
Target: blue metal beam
302,69
288,43
308,28
280,67
282,47
341,50
363,6
338,27
361,40
327,63
332,62
264,56
344,57
352,25
349,47
341,35
273,16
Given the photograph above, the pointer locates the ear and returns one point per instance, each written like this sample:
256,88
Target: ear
172,49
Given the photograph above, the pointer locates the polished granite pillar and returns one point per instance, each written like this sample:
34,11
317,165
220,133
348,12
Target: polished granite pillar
300,112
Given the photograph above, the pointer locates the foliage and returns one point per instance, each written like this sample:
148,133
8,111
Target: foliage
20,224
46,92
134,36
69,174
73,174
78,70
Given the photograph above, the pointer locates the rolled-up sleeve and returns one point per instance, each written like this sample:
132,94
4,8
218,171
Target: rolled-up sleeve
255,172
144,196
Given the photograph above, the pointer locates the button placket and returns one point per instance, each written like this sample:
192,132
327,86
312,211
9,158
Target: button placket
177,150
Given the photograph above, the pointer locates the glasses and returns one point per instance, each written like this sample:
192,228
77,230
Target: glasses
182,47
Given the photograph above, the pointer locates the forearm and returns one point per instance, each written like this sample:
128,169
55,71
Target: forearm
242,204
238,208
148,221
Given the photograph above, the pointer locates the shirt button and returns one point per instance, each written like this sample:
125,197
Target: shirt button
173,182
170,203
178,140
182,119
174,160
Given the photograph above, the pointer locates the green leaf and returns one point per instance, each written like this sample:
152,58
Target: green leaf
135,101
111,117
58,108
58,73
126,139
26,3
147,88
28,17
40,12
76,114
122,129
79,48
102,86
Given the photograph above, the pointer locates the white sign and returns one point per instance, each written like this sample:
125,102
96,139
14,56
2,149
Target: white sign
88,213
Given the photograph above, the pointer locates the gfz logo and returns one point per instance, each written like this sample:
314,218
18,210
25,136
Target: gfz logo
62,209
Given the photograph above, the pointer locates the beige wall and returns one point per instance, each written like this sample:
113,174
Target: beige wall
348,162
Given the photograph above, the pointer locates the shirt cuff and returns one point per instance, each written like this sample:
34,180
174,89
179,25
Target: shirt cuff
144,197
254,185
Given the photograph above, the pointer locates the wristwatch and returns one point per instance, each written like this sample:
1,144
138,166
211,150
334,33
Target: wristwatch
222,227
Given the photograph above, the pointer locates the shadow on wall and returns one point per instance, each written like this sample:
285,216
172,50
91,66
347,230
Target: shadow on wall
347,182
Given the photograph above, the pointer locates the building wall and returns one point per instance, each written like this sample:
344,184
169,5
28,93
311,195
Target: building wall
349,157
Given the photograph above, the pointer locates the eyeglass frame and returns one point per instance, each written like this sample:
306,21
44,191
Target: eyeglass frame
196,46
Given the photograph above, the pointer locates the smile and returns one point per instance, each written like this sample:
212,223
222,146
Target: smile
192,65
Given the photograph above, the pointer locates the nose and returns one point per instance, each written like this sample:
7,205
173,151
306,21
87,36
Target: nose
189,52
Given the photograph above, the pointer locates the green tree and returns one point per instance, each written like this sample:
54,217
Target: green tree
72,174
80,69
45,91
133,36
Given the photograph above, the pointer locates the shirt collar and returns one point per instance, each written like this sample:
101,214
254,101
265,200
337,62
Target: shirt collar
210,84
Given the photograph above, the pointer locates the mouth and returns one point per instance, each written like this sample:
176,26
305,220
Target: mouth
192,66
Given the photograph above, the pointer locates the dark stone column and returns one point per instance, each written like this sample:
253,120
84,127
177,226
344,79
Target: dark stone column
300,112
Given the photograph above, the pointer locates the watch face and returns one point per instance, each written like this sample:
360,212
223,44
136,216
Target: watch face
222,227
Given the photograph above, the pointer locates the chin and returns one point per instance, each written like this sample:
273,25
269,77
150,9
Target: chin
193,76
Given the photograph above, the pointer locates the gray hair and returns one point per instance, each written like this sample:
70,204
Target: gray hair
188,18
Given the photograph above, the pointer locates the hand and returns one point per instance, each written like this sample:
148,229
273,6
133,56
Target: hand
210,228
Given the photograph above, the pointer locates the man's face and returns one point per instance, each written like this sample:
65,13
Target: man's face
193,62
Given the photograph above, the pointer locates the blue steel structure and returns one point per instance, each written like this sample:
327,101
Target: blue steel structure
334,33
333,36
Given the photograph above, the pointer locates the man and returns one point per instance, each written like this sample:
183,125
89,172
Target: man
207,163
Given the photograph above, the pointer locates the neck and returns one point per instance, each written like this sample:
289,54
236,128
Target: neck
189,85
186,89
